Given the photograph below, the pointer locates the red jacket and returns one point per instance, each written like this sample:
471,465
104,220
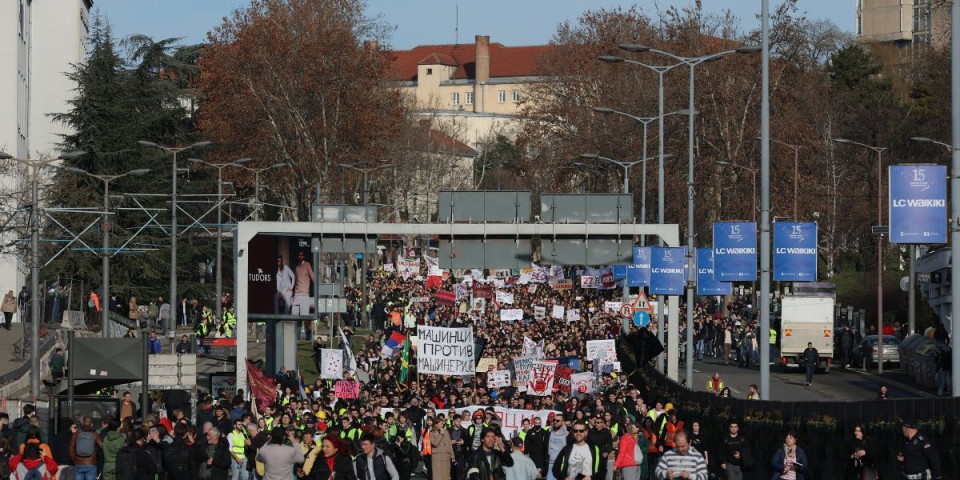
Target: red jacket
19,466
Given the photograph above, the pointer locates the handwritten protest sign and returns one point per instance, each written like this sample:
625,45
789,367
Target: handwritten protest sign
331,364
583,383
612,307
347,389
562,382
573,315
601,349
523,371
539,312
542,376
557,312
532,349
498,379
505,297
511,314
445,351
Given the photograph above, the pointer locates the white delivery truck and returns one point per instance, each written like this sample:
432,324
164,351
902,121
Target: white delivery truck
806,318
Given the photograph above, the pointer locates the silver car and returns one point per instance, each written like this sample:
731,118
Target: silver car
868,351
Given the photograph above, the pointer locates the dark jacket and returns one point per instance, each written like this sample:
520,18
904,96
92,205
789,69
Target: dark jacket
143,467
155,452
736,444
562,464
176,460
535,445
776,463
478,468
342,468
60,447
379,466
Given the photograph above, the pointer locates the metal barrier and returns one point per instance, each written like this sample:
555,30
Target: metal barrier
46,344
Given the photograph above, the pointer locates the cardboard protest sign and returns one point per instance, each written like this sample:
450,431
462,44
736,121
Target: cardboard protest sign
557,312
583,383
539,312
347,389
601,349
573,315
541,380
511,315
504,298
523,371
485,363
498,379
445,351
331,364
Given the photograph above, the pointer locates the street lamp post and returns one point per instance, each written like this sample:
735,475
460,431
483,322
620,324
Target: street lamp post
105,250
256,190
173,151
879,151
35,295
219,269
796,174
753,182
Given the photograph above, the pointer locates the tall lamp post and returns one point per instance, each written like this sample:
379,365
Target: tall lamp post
220,166
796,173
105,225
954,223
35,295
173,151
256,177
753,182
879,151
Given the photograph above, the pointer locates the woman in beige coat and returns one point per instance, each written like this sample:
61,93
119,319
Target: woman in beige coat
442,447
8,307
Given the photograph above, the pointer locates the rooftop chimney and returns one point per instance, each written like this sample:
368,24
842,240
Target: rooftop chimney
482,64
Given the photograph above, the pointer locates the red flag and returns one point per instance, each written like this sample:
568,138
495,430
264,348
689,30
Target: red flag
261,388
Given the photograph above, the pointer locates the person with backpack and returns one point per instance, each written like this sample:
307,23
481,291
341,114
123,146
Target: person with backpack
32,463
154,447
133,462
21,426
112,442
84,448
176,455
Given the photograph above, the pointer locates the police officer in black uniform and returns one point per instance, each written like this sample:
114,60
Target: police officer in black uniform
918,457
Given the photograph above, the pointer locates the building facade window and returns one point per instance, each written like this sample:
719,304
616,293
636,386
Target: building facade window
455,98
501,96
469,98
516,96
429,71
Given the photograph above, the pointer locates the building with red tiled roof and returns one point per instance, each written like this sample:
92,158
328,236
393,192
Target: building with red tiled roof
479,87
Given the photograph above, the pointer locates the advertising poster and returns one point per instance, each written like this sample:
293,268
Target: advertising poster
918,204
706,283
281,276
667,272
735,251
638,275
795,251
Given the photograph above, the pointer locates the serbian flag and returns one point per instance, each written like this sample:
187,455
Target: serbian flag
262,389
392,345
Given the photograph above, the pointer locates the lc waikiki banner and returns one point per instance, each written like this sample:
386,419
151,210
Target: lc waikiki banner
735,251
638,275
918,203
667,270
706,283
795,251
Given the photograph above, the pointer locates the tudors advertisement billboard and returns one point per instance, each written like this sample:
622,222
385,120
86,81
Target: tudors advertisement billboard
795,251
918,203
735,251
281,278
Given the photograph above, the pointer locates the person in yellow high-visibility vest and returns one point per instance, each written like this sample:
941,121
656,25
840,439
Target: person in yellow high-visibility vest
715,384
773,344
238,442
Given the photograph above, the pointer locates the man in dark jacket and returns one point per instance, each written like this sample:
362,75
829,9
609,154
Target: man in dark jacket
133,463
217,465
176,454
488,461
735,454
535,446
811,360
580,459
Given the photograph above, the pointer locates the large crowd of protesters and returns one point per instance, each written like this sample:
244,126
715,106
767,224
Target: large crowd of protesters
403,424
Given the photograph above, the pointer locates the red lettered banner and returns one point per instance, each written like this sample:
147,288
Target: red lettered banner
446,297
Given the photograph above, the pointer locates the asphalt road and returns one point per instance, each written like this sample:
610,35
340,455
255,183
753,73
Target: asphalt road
850,385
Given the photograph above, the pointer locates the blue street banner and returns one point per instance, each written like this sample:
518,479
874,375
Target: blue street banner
619,272
735,251
795,251
667,272
638,275
918,204
706,283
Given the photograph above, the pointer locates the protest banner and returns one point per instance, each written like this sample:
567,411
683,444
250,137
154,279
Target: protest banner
557,312
446,297
331,364
485,364
522,371
573,315
532,349
445,351
462,291
498,379
539,312
347,389
562,382
511,314
504,297
583,383
601,349
561,284
482,291
408,267
542,376
612,307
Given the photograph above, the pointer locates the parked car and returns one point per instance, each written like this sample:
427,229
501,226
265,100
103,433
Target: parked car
868,350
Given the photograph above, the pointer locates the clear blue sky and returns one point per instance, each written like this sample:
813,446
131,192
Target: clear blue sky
419,22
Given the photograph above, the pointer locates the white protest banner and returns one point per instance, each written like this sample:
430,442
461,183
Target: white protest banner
462,290
486,364
583,383
532,349
532,289
612,307
511,419
511,314
431,262
601,349
388,267
542,377
557,312
498,378
539,275
573,315
588,281
479,304
539,312
523,371
408,267
504,297
445,351
331,364
556,273
434,271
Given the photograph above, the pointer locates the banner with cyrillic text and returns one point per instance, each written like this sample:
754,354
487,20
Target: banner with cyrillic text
735,251
445,351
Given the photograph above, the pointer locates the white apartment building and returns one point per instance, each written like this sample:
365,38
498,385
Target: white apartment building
39,41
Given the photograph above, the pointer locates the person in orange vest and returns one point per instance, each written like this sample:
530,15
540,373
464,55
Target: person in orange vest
714,384
673,426
93,307
426,449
